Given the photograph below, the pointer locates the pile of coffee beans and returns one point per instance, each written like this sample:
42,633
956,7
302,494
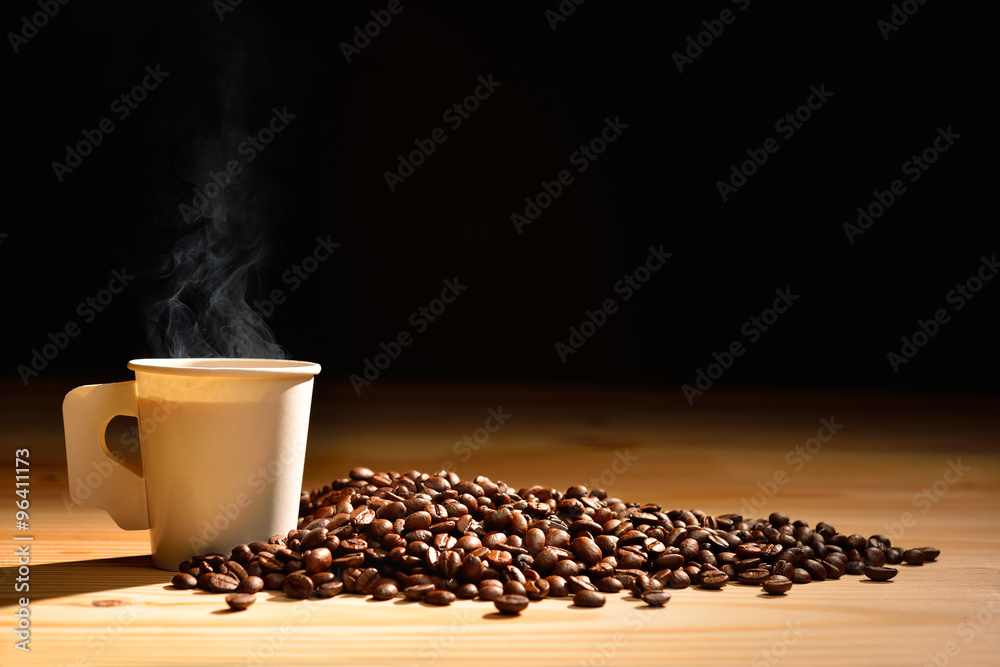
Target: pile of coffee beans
437,538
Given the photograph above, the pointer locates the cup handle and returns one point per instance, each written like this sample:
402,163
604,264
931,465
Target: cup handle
114,486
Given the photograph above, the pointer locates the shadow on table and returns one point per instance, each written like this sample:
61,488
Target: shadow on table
54,580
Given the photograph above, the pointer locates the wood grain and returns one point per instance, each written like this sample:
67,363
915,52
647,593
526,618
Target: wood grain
715,456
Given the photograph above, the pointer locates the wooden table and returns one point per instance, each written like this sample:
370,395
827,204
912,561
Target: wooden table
95,599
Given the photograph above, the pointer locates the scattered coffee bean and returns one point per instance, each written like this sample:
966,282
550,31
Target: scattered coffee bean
656,598
511,604
880,573
777,585
855,567
240,601
250,585
586,598
417,592
441,598
930,553
439,538
298,586
713,580
220,583
385,591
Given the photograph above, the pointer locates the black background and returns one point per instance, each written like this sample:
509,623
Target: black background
656,185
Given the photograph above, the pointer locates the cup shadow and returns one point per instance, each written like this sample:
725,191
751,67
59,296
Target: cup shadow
97,575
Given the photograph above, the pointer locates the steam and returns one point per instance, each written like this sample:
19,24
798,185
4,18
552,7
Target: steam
219,224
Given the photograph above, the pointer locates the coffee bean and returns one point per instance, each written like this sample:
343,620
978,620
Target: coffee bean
588,598
318,559
880,573
511,604
679,579
240,601
609,585
815,568
586,550
489,592
855,567
777,584
580,583
250,585
513,588
873,557
558,587
536,590
441,598
466,591
298,586
656,598
367,580
417,592
754,575
385,591
220,583
438,535
800,576
930,553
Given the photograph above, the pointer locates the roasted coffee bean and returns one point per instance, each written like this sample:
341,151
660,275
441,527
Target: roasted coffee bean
513,588
386,590
488,591
511,604
417,592
367,580
580,583
713,579
679,579
220,583
329,589
855,567
755,575
586,550
880,573
558,587
318,559
184,581
536,590
441,598
656,598
250,585
777,584
800,576
588,598
815,568
873,557
240,601
481,538
930,553
466,591
298,586
609,585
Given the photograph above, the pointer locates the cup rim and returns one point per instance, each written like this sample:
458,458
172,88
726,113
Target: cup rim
224,367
